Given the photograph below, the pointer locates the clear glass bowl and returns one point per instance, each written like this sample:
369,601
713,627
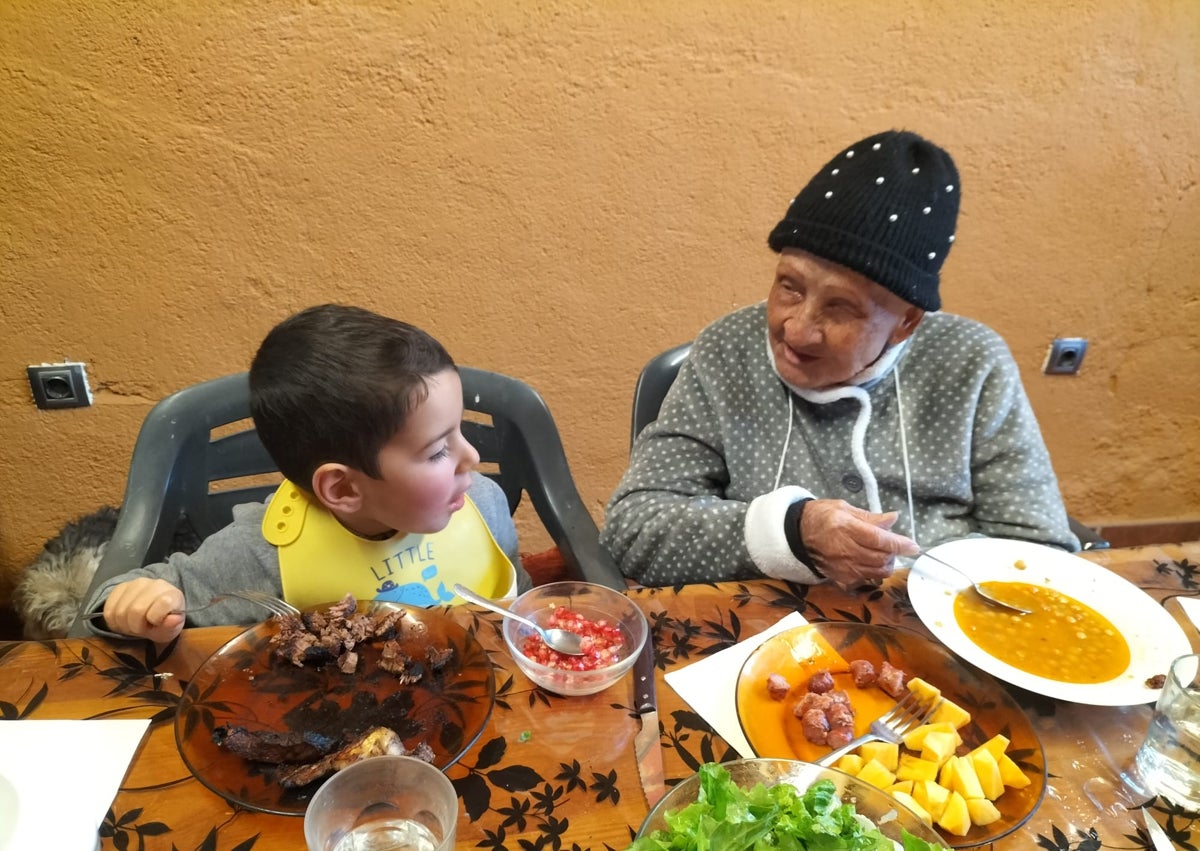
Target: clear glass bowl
888,814
594,602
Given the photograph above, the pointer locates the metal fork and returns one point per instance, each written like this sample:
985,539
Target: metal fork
892,726
268,601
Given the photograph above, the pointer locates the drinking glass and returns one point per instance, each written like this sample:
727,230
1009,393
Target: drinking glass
384,803
1168,761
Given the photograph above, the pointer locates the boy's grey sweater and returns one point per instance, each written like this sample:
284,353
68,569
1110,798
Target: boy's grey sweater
239,557
977,459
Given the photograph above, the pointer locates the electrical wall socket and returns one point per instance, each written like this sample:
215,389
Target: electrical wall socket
1065,356
60,385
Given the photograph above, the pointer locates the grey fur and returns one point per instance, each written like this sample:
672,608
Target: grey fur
48,595
51,589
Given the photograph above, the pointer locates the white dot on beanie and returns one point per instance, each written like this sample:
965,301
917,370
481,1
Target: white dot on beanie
875,147
917,170
951,238
849,154
834,172
828,194
878,181
949,187
932,254
893,218
926,210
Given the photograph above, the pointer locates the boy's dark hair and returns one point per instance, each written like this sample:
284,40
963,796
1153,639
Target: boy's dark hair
335,383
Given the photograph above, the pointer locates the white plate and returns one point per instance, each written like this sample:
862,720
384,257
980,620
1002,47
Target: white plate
8,812
1153,635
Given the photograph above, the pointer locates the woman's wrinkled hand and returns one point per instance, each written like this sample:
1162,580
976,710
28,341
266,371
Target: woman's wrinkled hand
144,608
850,545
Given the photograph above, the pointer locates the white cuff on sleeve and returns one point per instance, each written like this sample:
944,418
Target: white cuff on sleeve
767,541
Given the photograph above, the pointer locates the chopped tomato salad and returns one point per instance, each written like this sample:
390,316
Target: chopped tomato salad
602,642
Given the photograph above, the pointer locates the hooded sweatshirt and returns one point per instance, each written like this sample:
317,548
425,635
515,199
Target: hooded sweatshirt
710,482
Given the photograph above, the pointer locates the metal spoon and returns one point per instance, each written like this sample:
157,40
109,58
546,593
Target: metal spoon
564,641
995,601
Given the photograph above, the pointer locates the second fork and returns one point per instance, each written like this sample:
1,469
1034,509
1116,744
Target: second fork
908,714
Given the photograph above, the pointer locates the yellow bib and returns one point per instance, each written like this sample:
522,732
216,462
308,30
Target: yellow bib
320,561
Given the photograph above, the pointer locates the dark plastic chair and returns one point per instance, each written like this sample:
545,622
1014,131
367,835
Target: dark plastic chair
658,375
181,472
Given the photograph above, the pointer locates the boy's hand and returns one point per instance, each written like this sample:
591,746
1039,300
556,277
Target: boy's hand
142,607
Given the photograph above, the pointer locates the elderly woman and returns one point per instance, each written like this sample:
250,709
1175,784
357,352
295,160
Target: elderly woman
844,421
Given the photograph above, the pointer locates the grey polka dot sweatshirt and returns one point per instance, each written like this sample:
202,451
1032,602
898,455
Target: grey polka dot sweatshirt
705,494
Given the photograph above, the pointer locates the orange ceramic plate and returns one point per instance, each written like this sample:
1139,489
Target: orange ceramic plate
796,654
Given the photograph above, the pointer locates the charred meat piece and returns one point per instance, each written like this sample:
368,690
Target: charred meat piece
378,741
387,625
345,608
348,662
437,657
265,746
394,659
332,636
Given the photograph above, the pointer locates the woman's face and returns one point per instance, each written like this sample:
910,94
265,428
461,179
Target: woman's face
826,323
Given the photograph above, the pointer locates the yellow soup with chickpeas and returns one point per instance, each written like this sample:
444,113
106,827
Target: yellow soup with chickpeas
1060,639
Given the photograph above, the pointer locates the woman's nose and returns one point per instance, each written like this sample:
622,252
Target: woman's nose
802,329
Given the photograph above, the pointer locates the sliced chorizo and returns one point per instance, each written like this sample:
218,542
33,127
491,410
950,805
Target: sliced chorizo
863,673
820,682
778,687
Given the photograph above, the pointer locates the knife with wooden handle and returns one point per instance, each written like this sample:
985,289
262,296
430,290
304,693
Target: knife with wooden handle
646,743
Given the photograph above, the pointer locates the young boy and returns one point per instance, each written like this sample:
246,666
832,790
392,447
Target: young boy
363,416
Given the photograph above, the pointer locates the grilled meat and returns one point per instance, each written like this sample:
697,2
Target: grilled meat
266,746
378,741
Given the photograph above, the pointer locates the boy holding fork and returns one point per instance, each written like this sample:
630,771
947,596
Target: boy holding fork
363,415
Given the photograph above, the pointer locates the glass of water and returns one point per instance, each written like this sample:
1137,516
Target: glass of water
1168,761
384,803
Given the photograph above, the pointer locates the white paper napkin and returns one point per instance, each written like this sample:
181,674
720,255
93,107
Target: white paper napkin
1191,608
709,685
66,775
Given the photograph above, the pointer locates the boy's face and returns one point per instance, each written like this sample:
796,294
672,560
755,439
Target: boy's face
425,469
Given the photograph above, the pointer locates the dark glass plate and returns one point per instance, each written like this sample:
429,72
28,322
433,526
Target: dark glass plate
242,685
773,731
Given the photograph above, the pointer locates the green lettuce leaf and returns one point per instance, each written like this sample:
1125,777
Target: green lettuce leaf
725,817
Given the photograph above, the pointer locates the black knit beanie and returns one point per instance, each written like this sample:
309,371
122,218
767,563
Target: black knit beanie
885,207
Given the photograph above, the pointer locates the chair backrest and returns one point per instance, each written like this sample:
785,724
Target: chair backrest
190,466
522,451
658,375
652,385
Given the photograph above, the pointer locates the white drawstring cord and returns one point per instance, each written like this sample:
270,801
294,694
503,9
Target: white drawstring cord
786,440
912,515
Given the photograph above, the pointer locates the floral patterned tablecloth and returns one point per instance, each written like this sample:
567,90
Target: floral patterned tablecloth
553,772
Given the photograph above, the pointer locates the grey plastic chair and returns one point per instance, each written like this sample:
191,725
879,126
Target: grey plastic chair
658,375
177,460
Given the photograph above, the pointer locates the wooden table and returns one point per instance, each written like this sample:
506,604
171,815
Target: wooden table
559,773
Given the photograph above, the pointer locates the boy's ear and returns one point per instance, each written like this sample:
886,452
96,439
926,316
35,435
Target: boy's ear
336,486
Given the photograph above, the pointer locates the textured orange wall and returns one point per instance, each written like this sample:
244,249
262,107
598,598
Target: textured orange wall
560,190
